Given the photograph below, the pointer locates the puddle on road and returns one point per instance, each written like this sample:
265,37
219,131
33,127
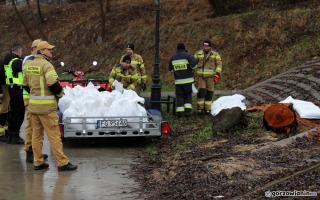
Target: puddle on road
102,172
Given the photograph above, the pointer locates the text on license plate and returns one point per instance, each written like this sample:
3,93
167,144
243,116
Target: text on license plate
111,123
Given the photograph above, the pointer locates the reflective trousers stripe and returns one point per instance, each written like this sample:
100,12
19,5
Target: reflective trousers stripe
41,97
36,101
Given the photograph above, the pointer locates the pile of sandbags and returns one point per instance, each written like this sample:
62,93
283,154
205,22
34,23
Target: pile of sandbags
89,102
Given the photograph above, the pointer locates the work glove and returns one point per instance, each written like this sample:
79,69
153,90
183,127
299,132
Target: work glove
216,77
60,95
143,86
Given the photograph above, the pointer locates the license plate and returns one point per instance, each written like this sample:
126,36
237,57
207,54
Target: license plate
112,123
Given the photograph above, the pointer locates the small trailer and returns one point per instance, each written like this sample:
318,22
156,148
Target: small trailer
151,125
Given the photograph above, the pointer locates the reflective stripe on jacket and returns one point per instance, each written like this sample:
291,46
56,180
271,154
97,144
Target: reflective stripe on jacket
208,63
182,64
39,74
138,64
128,77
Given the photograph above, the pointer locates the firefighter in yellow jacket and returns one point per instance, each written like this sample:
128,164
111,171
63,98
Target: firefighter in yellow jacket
125,74
209,67
41,81
4,106
137,63
28,130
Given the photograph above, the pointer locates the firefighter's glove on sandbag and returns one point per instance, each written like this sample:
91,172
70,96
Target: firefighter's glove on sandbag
143,86
59,95
216,77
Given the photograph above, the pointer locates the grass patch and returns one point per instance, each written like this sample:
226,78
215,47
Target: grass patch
152,151
204,134
180,147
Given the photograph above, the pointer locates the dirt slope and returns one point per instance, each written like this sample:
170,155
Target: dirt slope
254,45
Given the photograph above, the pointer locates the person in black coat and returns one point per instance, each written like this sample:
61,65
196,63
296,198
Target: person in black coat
13,78
182,64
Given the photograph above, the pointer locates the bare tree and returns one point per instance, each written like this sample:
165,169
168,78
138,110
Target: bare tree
103,20
43,36
219,7
107,5
21,19
39,11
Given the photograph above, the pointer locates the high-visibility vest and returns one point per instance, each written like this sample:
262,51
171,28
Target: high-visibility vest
10,79
26,95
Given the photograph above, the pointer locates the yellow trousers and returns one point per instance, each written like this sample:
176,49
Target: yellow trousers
4,108
204,101
49,123
28,132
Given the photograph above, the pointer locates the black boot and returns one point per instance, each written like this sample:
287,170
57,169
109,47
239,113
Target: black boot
43,166
187,114
3,138
29,155
9,136
67,167
16,139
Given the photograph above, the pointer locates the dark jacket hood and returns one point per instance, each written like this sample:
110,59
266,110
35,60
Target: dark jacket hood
182,50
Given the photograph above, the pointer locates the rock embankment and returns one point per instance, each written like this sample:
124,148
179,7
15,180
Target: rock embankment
302,82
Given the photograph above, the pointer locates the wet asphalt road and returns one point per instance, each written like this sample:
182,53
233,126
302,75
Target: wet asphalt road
102,172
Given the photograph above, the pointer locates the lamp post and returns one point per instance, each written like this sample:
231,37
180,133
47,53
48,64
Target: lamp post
156,87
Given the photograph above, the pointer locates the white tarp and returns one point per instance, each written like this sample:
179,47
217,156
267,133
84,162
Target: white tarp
227,102
89,102
305,109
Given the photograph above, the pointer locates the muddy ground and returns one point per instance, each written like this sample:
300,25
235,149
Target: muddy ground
235,164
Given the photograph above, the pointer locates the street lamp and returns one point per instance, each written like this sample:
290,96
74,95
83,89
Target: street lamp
156,87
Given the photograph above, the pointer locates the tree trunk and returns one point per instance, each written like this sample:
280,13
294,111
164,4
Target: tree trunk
107,5
103,20
21,19
280,118
39,11
43,36
219,7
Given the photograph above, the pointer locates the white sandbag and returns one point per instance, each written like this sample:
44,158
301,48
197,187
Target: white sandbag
305,109
118,86
127,105
194,89
89,102
226,102
64,103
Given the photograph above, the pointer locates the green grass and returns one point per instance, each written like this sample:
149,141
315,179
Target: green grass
180,147
152,151
203,134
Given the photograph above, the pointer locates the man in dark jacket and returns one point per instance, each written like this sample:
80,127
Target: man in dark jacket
14,78
182,64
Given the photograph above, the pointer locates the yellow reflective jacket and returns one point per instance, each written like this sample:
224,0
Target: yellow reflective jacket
39,74
137,63
128,77
208,64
